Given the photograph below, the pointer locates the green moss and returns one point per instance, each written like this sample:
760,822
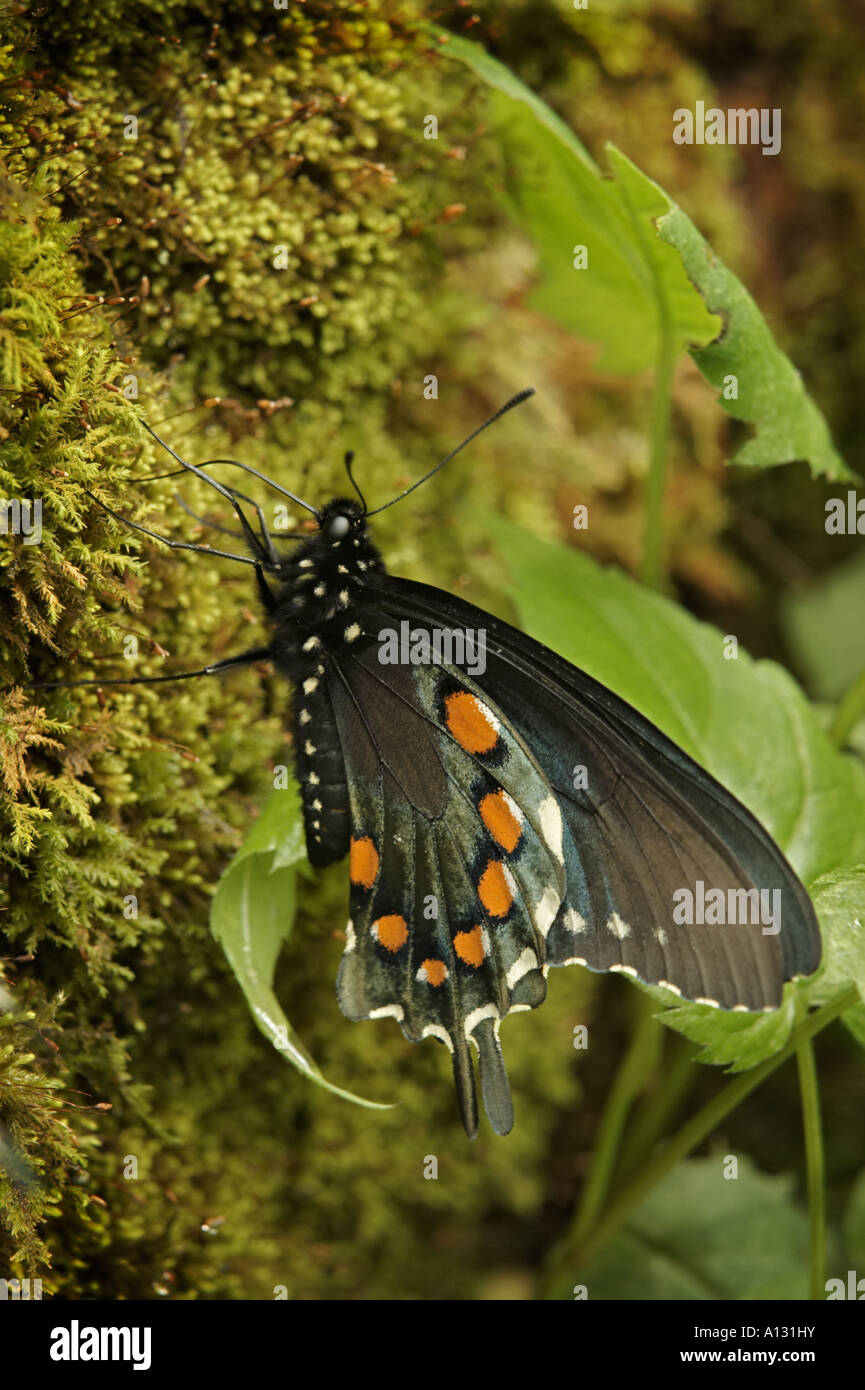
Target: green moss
125,1036
130,1039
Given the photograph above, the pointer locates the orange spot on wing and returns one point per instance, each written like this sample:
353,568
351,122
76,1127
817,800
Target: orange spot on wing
471,723
363,862
494,890
469,946
435,971
499,816
391,931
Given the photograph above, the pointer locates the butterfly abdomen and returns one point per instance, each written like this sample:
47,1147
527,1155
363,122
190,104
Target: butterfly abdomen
318,618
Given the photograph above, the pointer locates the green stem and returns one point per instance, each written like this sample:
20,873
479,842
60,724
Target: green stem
849,712
679,1075
815,1165
571,1251
650,569
630,1078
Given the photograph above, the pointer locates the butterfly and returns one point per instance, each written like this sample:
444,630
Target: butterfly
435,747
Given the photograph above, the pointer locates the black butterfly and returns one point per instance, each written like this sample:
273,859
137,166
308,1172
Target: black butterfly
476,861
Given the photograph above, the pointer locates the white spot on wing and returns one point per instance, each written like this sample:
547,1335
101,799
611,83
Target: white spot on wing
545,911
575,923
309,685
435,1030
617,927
388,1011
477,1016
551,827
625,970
350,938
674,989
521,966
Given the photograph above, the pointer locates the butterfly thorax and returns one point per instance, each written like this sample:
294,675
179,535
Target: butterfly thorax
318,618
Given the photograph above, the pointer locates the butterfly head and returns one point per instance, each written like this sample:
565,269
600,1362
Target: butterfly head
341,520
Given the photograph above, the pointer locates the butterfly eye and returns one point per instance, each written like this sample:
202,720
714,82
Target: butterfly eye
337,527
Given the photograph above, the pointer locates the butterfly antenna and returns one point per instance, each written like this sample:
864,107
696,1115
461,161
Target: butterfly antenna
197,469
349,460
242,659
502,410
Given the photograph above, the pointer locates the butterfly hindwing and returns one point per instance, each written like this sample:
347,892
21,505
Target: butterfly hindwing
648,823
454,882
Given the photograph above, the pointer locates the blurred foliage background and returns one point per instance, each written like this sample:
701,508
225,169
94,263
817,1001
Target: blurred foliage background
150,260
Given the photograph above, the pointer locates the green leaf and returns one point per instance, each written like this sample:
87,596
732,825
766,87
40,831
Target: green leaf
735,1041
771,394
562,200
650,275
824,629
745,721
700,1235
839,898
252,915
